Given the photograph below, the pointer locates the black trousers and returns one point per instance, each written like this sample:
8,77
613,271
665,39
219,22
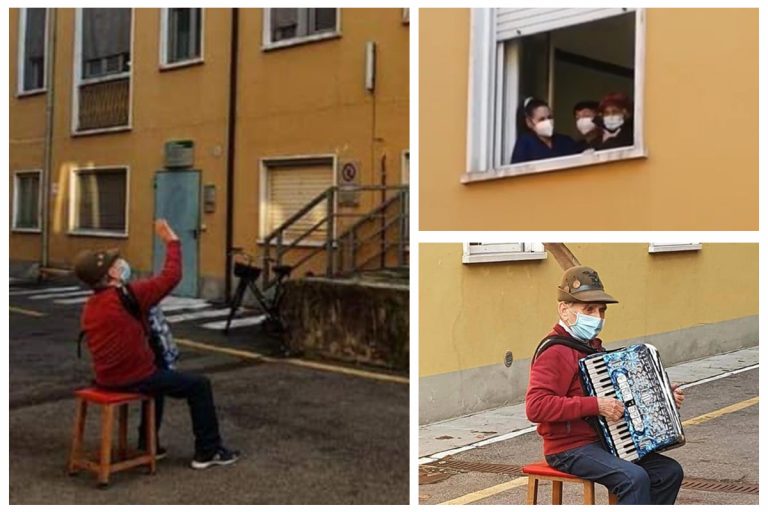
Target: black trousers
196,389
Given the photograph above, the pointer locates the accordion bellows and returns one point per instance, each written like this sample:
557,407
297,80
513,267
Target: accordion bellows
635,376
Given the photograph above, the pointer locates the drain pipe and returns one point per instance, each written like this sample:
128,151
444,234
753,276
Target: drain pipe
48,150
231,131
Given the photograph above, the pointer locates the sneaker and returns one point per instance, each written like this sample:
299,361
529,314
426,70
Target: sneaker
222,457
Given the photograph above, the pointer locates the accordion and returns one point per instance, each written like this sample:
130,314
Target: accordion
634,375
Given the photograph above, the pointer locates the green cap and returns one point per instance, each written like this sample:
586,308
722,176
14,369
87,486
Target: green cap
582,284
90,265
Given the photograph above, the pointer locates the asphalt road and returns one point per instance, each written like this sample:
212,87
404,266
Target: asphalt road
308,436
722,449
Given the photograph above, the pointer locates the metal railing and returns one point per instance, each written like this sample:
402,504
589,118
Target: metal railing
375,239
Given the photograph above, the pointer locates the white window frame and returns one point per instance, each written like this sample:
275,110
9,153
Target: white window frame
16,203
655,248
264,198
79,81
164,64
268,44
102,233
516,251
487,64
22,51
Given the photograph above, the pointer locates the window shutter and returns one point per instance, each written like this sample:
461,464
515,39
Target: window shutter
290,189
101,197
514,23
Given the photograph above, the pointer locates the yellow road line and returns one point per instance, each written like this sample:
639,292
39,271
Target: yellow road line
485,493
698,420
519,482
27,312
295,362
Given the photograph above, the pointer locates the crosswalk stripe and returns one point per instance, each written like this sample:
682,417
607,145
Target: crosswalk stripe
237,322
178,301
78,300
179,307
61,295
46,290
211,313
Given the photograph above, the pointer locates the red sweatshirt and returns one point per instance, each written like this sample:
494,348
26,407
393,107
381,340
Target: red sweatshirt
119,348
555,399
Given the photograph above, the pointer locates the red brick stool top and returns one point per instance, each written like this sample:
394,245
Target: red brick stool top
542,470
104,396
545,470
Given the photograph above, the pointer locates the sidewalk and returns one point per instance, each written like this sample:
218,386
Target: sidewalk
438,440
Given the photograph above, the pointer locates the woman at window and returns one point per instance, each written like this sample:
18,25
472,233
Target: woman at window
615,118
537,139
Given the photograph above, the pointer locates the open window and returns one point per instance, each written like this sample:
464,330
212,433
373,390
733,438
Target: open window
102,84
478,252
181,37
289,26
562,57
99,201
32,45
26,201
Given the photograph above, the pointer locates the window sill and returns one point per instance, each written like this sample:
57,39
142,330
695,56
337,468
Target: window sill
104,78
304,244
170,66
29,94
26,230
300,41
97,233
97,131
659,248
501,257
555,164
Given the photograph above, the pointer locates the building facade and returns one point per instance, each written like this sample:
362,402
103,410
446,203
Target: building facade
478,65
484,309
224,121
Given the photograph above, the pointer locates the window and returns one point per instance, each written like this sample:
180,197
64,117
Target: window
181,33
286,27
561,56
26,201
665,247
406,15
290,184
475,252
99,201
102,70
32,45
405,168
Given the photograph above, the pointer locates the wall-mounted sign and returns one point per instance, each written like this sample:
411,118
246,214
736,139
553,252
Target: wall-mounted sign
349,183
179,154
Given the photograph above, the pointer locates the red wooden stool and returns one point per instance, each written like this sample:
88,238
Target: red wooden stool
109,400
543,471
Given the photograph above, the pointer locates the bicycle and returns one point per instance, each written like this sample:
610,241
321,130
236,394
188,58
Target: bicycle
269,299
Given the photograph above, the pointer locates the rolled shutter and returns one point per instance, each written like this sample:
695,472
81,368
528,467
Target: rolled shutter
290,188
514,23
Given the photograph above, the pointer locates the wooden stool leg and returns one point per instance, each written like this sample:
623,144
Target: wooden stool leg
105,458
533,490
151,433
122,439
613,499
589,493
81,408
557,492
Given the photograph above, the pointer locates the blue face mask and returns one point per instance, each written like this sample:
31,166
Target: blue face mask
125,271
587,327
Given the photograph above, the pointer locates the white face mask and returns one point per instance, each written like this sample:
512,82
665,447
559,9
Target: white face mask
585,125
545,128
613,122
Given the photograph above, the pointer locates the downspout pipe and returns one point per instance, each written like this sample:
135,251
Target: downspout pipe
231,133
45,186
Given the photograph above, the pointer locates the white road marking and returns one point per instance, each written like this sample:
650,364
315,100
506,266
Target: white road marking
237,322
179,307
46,290
79,300
177,301
61,295
211,313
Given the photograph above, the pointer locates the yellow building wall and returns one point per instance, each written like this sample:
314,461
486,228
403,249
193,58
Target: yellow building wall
310,99
185,103
701,173
472,314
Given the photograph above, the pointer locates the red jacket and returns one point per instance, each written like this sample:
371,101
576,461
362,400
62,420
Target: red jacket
119,348
555,399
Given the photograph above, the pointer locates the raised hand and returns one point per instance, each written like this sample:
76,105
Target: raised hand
164,231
